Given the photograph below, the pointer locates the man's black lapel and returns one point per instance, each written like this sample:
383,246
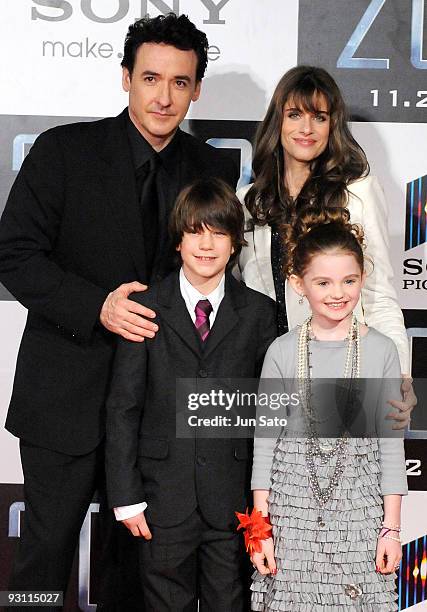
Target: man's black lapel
175,314
227,316
121,191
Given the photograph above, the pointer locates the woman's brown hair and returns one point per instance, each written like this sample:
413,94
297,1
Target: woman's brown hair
342,162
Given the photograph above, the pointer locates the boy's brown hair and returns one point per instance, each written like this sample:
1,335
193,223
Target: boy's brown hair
210,203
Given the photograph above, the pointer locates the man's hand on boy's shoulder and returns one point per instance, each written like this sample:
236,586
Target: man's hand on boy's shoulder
138,527
125,317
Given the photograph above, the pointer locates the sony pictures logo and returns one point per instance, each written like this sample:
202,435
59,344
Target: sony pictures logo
414,268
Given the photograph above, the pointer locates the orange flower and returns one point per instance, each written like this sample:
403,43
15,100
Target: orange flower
257,528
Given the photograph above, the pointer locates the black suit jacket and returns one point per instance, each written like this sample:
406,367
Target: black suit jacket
70,233
146,461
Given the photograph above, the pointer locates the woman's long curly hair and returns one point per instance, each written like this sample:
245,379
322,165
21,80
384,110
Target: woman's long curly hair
317,231
342,162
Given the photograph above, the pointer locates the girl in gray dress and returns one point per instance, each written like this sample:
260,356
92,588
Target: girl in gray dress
333,502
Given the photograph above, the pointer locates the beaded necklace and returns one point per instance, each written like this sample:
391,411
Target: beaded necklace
313,446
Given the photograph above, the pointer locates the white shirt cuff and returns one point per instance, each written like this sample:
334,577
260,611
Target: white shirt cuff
125,512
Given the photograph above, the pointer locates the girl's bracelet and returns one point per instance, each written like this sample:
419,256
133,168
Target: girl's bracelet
391,527
386,530
388,537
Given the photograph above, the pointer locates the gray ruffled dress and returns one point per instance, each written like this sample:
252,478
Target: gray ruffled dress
329,563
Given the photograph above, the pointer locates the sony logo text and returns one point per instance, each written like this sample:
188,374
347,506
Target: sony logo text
60,10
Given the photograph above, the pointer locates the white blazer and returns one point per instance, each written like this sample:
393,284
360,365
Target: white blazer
378,306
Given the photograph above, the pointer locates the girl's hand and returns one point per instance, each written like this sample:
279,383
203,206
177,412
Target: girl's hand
389,554
264,561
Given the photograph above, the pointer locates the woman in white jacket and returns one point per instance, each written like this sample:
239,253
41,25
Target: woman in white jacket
305,154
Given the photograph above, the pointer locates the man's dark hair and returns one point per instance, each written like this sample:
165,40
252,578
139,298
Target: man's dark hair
208,203
169,29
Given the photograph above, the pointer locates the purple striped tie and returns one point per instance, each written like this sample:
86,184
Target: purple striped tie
203,310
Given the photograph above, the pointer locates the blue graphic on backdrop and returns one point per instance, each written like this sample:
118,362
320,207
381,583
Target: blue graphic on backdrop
416,213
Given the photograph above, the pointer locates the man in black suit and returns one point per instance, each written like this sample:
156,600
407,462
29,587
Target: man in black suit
84,226
184,491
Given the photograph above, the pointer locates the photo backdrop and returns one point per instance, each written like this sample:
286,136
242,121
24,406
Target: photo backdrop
60,63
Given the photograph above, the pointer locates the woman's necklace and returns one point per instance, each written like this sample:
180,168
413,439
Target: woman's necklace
313,446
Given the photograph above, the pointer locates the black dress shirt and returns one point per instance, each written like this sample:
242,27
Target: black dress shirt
167,182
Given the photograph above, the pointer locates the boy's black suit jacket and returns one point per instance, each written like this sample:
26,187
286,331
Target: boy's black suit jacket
145,459
72,232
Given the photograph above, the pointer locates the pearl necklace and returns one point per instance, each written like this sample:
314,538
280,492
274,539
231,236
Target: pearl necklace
313,447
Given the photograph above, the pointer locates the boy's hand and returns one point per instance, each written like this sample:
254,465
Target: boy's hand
266,555
125,317
405,407
138,527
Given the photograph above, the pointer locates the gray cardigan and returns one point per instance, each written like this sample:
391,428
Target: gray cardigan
379,361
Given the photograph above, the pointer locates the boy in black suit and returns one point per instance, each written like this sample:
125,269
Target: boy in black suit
179,495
